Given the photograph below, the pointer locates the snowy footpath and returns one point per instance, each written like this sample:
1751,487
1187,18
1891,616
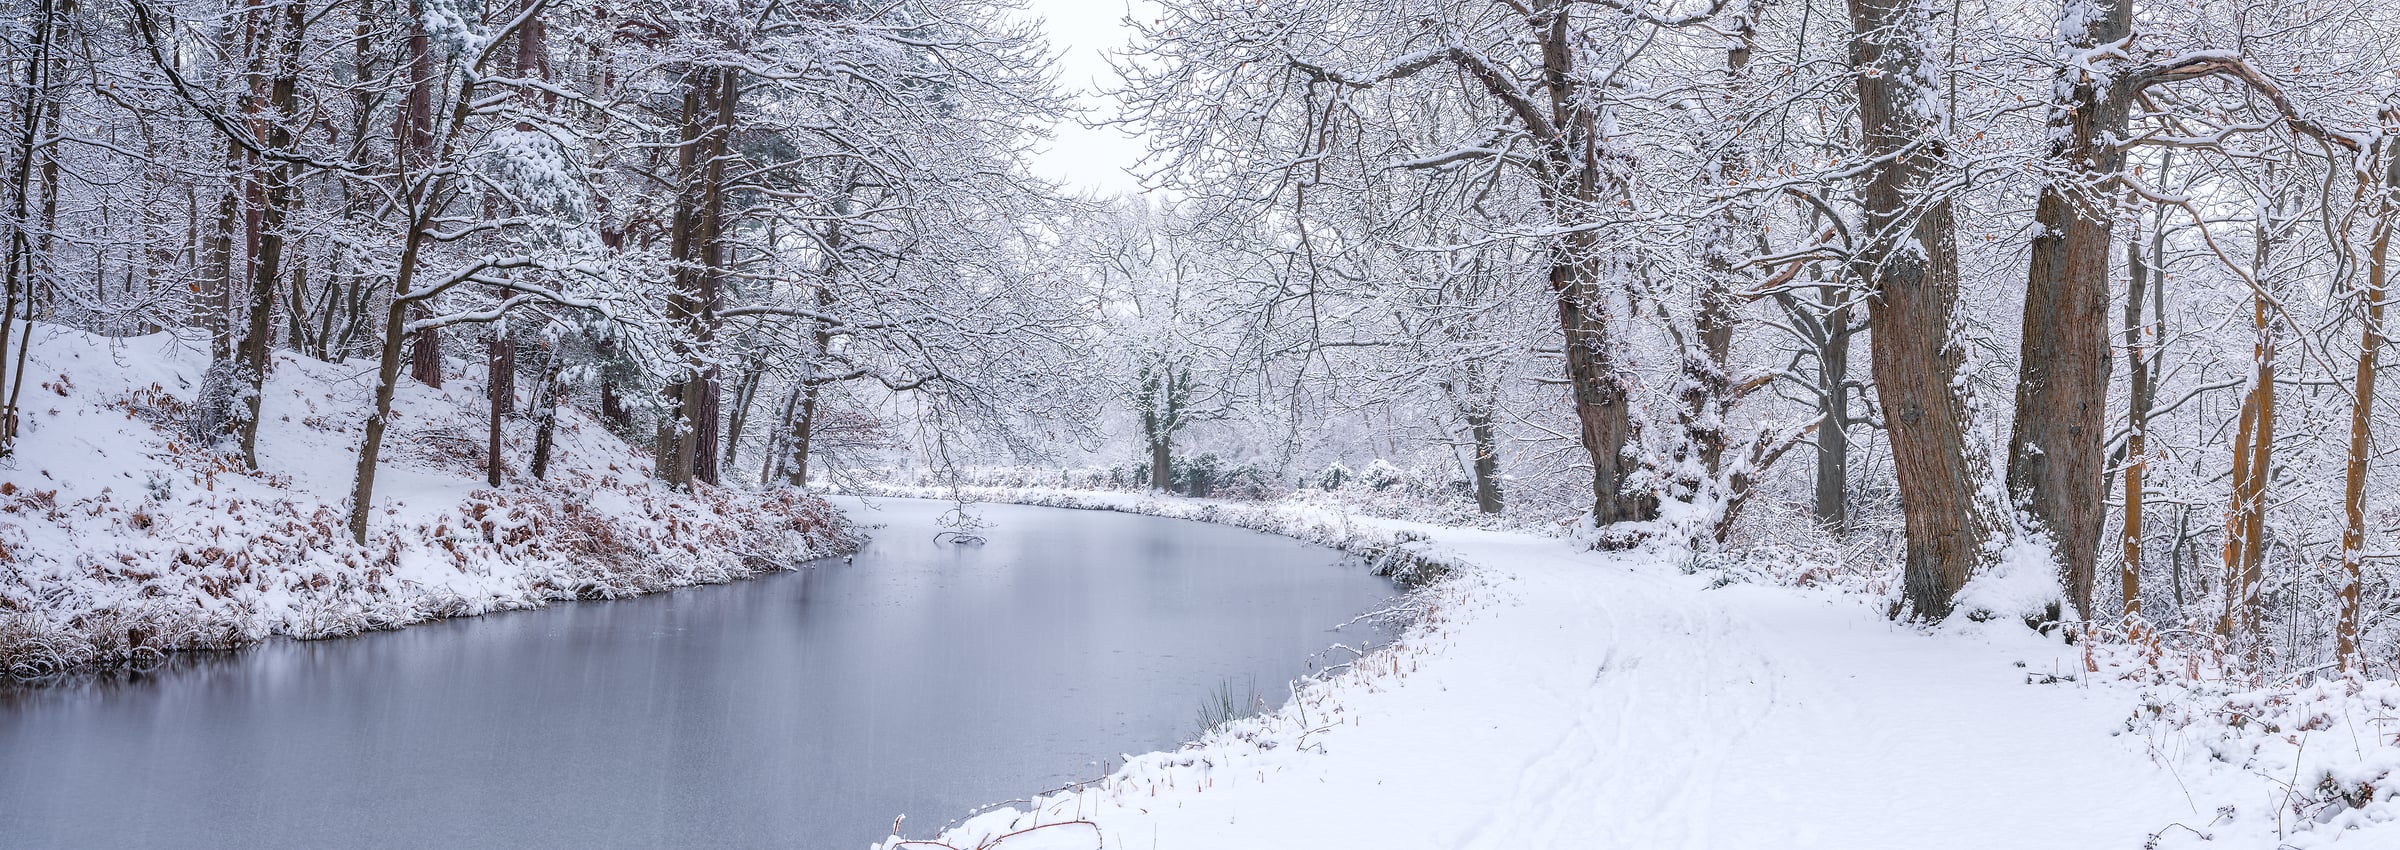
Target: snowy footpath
1551,697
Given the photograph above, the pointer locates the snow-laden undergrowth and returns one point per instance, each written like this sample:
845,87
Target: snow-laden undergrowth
123,540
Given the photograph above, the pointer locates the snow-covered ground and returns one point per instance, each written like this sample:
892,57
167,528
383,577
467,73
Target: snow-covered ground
122,540
1555,697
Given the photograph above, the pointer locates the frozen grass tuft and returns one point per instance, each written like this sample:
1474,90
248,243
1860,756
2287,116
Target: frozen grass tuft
1224,705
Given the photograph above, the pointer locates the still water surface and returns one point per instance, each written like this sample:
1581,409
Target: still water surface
801,710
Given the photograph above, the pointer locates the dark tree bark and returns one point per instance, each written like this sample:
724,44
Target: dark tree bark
2056,458
500,368
803,433
1487,463
220,406
1164,397
745,393
2138,399
1908,261
1601,392
416,146
1832,496
613,410
688,436
24,150
277,198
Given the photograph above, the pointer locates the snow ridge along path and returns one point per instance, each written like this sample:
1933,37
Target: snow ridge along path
1564,698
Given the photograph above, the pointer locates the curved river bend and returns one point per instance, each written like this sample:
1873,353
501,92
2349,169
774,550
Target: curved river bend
798,710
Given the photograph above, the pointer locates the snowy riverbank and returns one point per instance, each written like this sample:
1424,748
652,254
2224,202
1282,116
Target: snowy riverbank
122,541
1554,697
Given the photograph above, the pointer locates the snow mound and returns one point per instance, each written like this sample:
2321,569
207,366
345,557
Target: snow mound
122,539
2021,585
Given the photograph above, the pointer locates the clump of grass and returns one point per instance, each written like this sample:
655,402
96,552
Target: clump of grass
1224,705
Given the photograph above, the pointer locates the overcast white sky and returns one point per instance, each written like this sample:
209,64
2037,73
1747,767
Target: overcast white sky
1085,159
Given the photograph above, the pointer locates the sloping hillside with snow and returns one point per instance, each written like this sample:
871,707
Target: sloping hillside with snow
122,539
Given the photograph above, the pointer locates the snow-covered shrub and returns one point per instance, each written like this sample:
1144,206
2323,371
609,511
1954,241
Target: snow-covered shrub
1381,475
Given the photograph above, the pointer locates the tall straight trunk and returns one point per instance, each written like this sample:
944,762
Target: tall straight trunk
2137,448
296,311
1829,327
500,392
703,400
2056,460
20,275
277,197
1908,260
415,134
1832,496
2235,523
2371,339
219,408
688,436
2246,519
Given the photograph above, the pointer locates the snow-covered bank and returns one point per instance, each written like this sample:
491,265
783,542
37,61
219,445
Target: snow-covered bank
1555,697
121,540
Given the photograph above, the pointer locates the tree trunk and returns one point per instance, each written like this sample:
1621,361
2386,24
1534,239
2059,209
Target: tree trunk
1908,261
2245,550
387,378
1831,504
803,434
415,134
687,440
2362,403
1487,463
744,393
257,343
20,258
1708,366
1162,472
500,392
545,427
2056,467
219,407
2137,449
422,193
1603,407
2235,507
